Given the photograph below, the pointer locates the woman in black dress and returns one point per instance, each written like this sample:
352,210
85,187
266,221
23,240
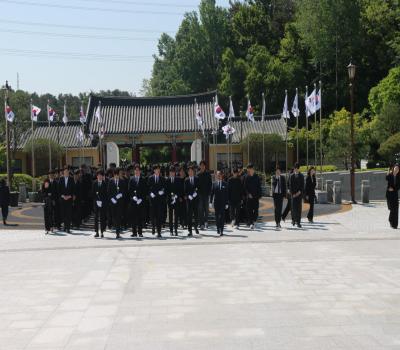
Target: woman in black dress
4,199
48,206
392,195
311,183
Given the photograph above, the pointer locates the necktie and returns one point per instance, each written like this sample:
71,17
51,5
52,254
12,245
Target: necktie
191,181
156,179
137,180
219,185
172,180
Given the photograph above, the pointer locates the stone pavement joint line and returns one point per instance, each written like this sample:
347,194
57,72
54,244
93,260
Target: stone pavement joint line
333,287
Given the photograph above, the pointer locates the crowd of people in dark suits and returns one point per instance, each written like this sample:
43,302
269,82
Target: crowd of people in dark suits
130,198
134,199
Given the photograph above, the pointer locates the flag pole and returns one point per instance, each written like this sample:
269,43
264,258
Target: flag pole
286,143
263,132
307,125
248,135
8,159
320,132
297,131
315,125
33,153
48,119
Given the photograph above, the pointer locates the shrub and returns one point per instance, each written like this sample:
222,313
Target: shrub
18,179
325,168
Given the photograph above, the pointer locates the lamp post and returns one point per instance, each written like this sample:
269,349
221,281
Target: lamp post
351,68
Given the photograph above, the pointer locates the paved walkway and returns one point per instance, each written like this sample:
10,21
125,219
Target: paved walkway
332,285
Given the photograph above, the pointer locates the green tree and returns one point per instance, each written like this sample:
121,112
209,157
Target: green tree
388,90
390,149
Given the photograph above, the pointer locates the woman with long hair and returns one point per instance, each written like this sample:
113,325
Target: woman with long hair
4,199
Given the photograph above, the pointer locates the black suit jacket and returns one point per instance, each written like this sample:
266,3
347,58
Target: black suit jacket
113,190
282,184
100,193
235,190
296,183
137,189
68,190
311,183
393,182
155,188
219,195
173,189
190,189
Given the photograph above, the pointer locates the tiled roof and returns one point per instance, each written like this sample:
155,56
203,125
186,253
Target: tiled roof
65,135
144,115
271,125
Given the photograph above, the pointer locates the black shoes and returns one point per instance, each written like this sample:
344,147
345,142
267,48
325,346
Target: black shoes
96,235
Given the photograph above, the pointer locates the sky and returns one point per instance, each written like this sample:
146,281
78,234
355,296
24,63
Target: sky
74,46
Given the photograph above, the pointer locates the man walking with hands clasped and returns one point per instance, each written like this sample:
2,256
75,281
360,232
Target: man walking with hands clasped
219,194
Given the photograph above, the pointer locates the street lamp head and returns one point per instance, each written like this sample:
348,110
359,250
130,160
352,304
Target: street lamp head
351,69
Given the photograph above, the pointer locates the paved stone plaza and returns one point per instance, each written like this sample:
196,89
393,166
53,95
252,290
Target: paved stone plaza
331,285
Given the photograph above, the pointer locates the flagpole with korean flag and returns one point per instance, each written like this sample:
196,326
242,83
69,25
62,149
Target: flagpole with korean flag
296,114
250,117
315,124
33,149
320,134
231,116
101,132
48,119
307,115
286,116
263,111
220,115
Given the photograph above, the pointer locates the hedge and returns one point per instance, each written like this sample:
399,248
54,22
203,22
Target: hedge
18,179
325,168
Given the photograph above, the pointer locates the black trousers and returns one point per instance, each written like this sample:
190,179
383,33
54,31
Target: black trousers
157,215
393,206
310,215
136,213
278,204
57,216
252,210
296,209
116,214
77,210
4,211
66,212
235,212
288,208
173,217
220,219
182,212
48,214
192,212
100,217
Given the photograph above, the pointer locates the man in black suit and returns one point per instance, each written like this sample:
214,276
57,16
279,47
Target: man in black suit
235,193
137,190
182,210
252,187
219,194
99,190
278,193
191,194
116,188
296,191
66,195
156,185
173,195
205,184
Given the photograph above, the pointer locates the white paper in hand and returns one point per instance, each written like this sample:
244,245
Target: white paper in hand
135,198
113,201
226,206
99,203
